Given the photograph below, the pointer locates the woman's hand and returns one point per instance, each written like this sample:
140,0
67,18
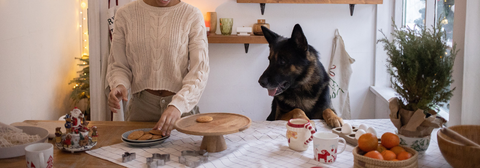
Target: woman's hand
168,119
117,94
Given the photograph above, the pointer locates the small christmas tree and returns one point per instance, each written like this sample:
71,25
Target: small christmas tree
420,65
81,90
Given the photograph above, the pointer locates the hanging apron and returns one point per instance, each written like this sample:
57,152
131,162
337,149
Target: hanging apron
340,71
111,17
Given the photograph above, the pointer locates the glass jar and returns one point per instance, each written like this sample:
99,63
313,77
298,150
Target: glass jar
257,27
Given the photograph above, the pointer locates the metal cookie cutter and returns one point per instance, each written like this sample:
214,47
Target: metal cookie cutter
202,154
128,157
157,159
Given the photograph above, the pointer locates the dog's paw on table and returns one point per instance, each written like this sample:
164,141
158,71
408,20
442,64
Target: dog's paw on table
297,113
332,119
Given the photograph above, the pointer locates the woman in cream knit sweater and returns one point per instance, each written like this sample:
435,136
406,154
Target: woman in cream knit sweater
160,53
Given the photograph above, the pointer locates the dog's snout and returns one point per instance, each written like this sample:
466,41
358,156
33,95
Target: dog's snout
263,82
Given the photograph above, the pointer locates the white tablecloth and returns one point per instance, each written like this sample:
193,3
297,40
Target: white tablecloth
262,145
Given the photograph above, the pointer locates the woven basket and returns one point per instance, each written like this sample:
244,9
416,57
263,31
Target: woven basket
361,161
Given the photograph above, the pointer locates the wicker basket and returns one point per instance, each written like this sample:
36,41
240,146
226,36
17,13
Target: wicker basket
457,154
361,161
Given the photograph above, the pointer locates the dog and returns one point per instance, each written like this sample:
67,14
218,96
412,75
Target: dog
297,80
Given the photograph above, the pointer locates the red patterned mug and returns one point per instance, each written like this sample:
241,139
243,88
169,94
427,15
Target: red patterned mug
325,146
39,155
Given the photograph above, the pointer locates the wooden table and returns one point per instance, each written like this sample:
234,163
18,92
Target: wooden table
109,134
263,141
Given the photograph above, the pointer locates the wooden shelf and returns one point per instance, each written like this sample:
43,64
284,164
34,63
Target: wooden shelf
246,40
351,3
315,1
218,38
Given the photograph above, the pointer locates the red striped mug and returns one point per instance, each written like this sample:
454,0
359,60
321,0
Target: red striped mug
299,134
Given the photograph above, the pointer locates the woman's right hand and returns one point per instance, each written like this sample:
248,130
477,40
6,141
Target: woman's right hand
117,94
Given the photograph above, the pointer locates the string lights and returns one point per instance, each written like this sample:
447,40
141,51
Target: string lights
84,27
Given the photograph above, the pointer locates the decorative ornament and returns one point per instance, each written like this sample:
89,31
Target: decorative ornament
77,136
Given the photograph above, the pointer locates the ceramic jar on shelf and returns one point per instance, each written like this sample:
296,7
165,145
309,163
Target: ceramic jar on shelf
257,27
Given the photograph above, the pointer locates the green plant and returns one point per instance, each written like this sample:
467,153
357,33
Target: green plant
420,64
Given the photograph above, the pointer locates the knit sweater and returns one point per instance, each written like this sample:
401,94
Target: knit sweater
160,48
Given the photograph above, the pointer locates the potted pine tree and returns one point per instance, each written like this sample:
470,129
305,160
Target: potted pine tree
420,64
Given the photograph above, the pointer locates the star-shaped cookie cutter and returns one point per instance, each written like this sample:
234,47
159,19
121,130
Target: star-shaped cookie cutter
157,159
127,157
202,154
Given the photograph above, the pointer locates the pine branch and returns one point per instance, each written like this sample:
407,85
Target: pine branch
81,89
420,65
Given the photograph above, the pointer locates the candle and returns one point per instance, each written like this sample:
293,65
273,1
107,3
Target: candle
207,23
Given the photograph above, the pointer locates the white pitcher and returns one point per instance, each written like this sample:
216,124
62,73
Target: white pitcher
299,134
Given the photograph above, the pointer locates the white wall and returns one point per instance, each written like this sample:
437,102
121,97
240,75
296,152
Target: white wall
471,84
38,43
233,86
466,72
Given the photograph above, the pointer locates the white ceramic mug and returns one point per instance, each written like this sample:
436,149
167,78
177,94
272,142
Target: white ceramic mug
39,155
299,134
325,146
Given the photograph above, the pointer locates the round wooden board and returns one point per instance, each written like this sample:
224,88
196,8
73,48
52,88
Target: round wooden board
222,123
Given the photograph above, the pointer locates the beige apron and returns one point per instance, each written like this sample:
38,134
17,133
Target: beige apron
340,70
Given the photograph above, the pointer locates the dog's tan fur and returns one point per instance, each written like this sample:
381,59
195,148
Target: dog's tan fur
328,115
331,118
296,113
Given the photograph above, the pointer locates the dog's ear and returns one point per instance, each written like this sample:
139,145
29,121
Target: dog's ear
270,35
299,38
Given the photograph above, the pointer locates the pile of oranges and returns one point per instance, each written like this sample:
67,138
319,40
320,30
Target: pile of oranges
388,149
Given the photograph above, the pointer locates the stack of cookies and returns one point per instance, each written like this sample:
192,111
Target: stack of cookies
145,135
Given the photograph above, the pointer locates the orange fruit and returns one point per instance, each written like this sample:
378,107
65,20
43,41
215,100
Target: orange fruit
390,140
404,155
397,149
393,160
374,154
381,148
368,142
388,155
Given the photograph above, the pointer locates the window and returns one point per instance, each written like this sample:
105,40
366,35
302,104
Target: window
413,13
426,12
444,11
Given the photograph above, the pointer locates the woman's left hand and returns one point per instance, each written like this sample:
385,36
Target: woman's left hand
168,119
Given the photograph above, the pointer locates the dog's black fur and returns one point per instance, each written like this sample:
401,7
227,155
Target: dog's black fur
297,74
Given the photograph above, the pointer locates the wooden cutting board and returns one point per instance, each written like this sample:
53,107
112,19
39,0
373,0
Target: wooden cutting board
222,123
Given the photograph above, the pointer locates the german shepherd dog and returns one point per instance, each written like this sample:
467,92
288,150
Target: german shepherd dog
297,80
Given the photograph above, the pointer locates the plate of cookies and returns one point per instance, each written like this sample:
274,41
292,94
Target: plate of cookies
143,137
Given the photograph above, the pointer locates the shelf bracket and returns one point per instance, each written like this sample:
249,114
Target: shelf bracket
262,7
352,7
246,47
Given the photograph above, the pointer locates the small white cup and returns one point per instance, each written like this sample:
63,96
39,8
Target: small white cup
325,146
39,155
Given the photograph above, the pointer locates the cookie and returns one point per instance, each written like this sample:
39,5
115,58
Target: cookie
156,136
146,137
155,132
135,135
204,119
